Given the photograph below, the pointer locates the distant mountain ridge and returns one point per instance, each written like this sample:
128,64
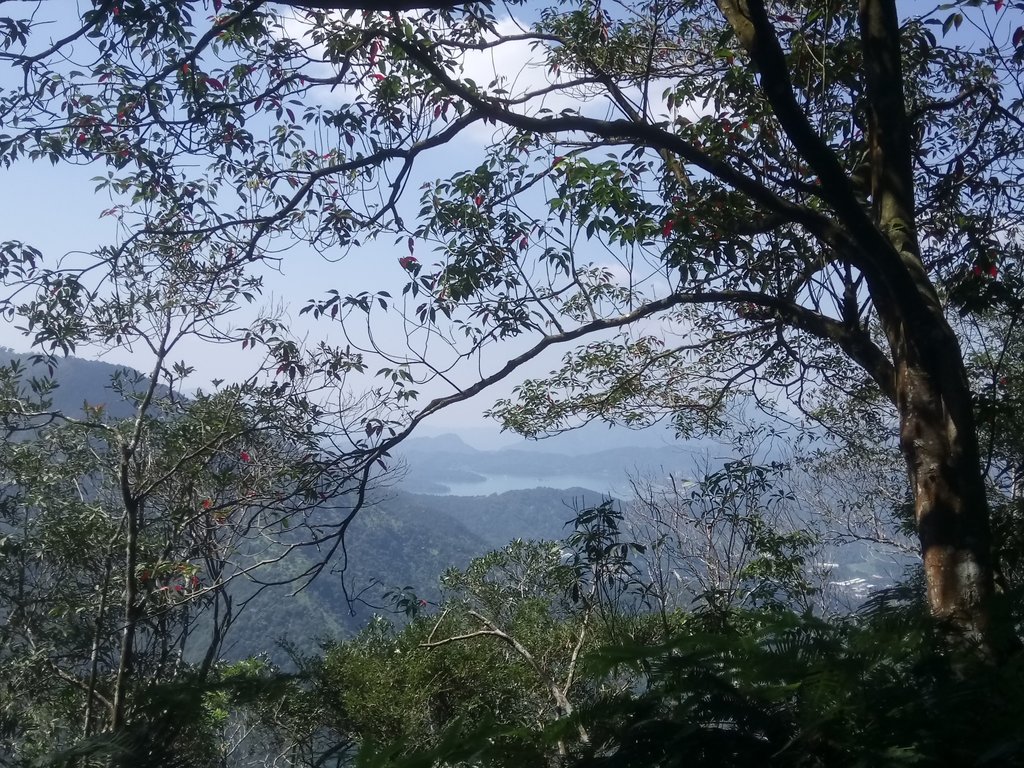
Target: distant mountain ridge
448,442
433,462
79,381
398,540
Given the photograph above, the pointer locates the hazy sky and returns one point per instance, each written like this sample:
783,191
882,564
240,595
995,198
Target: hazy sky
55,209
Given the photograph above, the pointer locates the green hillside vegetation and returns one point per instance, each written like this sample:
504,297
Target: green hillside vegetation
543,653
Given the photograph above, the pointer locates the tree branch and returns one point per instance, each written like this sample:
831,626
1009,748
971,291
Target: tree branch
642,133
750,23
493,630
379,6
892,162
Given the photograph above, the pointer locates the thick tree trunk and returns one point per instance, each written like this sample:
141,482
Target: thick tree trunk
939,442
938,435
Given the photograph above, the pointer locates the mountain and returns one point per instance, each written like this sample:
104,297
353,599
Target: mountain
79,382
407,539
495,520
448,443
589,438
400,540
435,464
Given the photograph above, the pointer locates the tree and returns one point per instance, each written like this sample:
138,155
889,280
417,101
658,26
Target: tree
734,538
525,661
127,525
501,658
796,193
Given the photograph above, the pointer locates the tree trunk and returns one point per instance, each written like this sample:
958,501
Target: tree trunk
938,436
939,443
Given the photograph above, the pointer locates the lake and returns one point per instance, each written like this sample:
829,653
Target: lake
503,483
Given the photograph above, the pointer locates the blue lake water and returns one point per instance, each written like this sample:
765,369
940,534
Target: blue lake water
502,483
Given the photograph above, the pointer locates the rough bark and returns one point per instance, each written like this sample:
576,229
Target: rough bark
938,435
939,444
931,392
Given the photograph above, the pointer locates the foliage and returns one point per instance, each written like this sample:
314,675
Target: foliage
764,686
710,198
791,690
806,201
123,527
501,658
734,538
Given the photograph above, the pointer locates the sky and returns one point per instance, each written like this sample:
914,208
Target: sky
55,209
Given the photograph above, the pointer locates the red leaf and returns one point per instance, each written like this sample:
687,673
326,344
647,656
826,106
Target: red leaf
992,271
82,138
244,456
412,242
185,68
217,85
479,200
557,160
207,503
407,262
1018,36
667,227
216,6
999,5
